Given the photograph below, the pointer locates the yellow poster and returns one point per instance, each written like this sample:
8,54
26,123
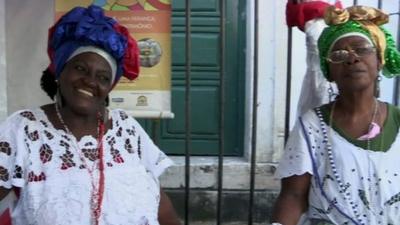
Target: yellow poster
149,22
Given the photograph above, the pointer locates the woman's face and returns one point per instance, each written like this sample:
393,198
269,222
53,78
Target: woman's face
85,83
355,73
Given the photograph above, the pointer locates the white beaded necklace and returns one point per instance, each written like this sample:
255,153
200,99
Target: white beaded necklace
328,140
97,190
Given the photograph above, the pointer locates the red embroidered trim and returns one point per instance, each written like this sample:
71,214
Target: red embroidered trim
97,212
32,177
299,14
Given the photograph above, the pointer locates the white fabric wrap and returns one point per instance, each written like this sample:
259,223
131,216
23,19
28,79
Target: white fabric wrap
314,90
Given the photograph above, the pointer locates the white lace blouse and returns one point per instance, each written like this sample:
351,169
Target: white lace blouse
55,187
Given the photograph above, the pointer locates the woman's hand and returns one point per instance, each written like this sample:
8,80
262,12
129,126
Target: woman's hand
292,200
166,211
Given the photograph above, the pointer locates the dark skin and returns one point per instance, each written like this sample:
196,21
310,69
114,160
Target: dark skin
356,83
353,112
292,200
84,84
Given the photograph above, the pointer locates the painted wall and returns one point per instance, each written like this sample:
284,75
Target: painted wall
26,28
3,69
272,57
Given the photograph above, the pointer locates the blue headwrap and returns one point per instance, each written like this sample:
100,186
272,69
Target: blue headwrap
90,27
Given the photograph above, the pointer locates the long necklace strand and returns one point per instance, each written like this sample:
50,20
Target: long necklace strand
97,193
371,124
328,137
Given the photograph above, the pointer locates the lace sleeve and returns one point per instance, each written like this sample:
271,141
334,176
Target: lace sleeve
13,151
153,158
296,157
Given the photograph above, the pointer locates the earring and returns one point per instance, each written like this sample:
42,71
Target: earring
377,86
331,93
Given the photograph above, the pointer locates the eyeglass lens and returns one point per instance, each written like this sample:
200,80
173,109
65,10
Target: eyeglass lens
339,56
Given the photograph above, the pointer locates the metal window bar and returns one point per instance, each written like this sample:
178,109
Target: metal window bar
397,79
254,119
188,125
222,16
288,83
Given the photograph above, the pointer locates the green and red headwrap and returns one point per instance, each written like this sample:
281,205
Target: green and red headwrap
367,22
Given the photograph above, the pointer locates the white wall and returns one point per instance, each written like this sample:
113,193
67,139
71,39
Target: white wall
27,23
272,79
3,69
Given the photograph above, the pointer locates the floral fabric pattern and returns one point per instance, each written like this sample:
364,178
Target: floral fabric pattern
56,187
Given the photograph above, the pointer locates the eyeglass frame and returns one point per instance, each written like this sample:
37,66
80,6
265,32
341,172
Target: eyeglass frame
352,51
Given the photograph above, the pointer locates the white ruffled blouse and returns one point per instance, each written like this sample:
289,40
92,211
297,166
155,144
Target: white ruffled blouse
55,187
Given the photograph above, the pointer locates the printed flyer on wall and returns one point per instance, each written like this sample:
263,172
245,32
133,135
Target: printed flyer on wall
149,22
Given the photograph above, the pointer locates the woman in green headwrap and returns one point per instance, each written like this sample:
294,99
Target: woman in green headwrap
340,164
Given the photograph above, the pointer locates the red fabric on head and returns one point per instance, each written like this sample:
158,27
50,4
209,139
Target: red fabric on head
131,60
299,14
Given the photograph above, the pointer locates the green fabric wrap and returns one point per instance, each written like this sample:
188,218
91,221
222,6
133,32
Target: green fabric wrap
392,57
331,33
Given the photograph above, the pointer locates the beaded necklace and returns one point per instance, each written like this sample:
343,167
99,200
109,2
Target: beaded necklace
327,136
97,191
327,139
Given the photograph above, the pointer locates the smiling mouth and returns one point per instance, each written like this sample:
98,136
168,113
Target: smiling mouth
87,93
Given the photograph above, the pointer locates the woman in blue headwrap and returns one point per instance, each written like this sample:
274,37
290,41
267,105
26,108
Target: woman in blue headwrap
74,161
340,164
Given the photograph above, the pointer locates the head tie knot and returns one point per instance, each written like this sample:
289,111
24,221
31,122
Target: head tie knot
336,16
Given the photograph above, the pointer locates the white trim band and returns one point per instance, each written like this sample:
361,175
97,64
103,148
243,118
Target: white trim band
111,61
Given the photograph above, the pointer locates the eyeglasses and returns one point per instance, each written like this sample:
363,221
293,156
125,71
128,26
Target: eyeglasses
342,55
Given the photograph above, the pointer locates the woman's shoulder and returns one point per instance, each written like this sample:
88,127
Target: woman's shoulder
314,113
394,109
18,120
393,113
314,117
23,115
123,116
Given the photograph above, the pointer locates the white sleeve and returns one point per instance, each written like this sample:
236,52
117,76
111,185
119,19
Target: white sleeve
13,152
152,157
296,158
314,90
